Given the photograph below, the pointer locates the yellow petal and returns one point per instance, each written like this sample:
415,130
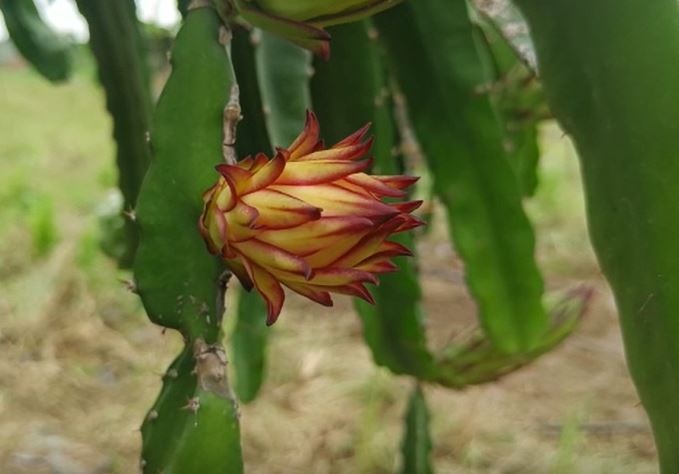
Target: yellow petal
277,210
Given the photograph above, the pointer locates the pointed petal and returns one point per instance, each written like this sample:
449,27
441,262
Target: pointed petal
204,230
307,140
240,222
246,163
370,245
213,226
313,293
392,249
344,184
322,241
279,210
355,137
259,161
397,181
356,289
315,172
224,198
273,258
377,264
243,181
208,194
234,175
407,207
337,201
264,175
409,223
351,289
238,269
373,185
346,153
269,288
335,276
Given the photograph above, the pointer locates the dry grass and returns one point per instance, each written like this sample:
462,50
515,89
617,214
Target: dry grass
81,364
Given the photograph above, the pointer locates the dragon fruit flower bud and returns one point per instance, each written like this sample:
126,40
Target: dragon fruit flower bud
323,11
310,219
302,21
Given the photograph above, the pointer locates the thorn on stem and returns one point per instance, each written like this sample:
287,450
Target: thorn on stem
130,214
130,285
192,405
225,35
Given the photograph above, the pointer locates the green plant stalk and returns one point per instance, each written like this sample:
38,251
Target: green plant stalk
610,71
38,43
433,52
519,100
349,91
417,444
176,278
115,40
193,426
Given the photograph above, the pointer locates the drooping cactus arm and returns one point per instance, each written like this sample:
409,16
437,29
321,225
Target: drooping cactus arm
433,42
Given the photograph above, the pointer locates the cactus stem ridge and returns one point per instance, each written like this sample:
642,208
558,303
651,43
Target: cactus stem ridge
232,115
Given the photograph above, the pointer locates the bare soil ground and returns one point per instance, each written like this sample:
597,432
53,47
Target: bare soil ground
81,365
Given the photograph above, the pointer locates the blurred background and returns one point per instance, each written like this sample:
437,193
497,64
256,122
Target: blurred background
81,364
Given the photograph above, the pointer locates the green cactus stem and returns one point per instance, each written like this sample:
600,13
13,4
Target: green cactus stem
193,426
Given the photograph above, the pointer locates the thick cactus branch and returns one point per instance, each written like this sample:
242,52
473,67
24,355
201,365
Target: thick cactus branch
193,426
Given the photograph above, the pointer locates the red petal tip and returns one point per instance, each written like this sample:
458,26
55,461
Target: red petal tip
355,137
272,313
324,50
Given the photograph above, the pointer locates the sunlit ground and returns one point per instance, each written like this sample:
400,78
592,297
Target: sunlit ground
81,365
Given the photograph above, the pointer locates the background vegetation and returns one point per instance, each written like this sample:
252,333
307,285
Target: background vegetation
81,364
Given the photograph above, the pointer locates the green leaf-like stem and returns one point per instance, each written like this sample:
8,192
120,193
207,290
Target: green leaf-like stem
433,53
610,71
